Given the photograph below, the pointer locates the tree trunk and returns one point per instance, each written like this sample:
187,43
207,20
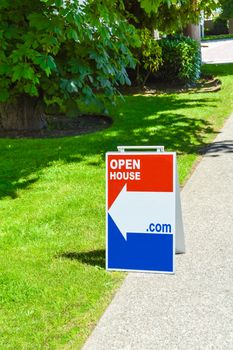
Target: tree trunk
231,26
25,113
193,31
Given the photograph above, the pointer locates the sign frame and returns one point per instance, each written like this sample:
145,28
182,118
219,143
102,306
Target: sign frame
175,196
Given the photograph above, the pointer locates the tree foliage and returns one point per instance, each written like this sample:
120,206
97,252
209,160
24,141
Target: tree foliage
227,9
63,51
167,16
68,52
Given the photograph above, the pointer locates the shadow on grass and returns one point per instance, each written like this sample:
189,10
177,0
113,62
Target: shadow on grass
140,120
94,257
10,189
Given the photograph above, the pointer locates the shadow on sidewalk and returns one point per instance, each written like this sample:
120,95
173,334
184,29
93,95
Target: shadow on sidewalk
217,148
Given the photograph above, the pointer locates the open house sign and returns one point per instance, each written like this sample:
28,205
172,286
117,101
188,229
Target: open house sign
140,211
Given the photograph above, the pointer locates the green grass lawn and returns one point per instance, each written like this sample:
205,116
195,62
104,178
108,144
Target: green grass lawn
53,285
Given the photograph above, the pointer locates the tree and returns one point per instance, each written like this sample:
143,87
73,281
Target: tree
60,52
227,12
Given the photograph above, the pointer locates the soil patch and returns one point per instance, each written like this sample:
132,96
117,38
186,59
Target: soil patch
61,126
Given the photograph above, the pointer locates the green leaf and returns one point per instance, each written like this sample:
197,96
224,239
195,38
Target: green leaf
47,63
5,69
87,91
38,21
31,89
69,86
56,2
4,95
23,71
72,34
150,5
4,4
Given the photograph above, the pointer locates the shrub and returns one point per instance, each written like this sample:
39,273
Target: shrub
149,58
181,59
151,54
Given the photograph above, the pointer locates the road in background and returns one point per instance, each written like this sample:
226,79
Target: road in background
217,51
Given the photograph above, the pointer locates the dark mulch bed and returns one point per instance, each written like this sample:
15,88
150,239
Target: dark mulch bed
207,83
60,126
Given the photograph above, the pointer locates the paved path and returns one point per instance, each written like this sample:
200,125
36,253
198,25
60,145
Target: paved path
219,51
192,309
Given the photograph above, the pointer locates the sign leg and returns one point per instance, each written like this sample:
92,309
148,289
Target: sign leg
180,244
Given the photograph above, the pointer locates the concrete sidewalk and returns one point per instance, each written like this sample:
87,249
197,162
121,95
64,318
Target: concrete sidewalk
192,309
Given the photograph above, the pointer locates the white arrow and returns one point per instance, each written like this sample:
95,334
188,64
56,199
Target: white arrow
134,212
